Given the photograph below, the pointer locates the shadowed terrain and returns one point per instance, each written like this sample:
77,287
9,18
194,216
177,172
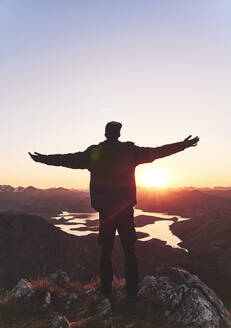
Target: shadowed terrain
32,246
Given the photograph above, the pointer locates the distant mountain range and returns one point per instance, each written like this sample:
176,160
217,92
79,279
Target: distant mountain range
49,202
185,202
4,188
8,188
45,202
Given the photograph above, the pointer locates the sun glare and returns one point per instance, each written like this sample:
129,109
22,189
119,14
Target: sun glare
153,178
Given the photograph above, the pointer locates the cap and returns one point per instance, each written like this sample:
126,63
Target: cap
112,129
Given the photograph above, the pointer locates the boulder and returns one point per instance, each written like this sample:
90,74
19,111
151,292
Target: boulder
22,291
59,278
70,300
60,321
48,298
186,300
147,286
90,291
104,307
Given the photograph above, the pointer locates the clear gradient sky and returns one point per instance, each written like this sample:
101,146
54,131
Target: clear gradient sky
160,67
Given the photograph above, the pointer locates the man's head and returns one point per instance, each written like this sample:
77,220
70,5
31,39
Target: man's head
112,130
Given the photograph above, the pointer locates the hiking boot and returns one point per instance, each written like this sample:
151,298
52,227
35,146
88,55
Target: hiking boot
107,293
132,298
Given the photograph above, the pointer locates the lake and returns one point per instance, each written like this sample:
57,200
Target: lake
87,223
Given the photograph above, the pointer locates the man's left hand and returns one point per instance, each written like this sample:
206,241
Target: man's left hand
191,142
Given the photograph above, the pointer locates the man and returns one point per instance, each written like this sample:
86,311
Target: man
113,194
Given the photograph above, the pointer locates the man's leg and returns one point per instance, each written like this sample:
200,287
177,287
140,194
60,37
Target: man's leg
131,270
126,229
105,268
107,231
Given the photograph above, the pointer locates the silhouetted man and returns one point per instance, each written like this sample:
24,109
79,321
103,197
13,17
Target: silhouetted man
113,194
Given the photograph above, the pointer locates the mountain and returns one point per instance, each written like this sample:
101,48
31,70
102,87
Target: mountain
207,238
220,192
187,202
6,188
32,247
45,202
184,202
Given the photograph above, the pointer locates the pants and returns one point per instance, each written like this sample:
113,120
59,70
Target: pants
123,221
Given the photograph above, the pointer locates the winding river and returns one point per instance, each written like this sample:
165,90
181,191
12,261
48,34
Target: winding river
82,224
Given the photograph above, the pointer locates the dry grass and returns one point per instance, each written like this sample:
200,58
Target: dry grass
93,284
75,285
41,284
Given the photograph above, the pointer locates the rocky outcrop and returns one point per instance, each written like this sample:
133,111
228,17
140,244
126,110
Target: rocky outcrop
59,278
173,298
60,322
22,291
90,291
186,300
104,307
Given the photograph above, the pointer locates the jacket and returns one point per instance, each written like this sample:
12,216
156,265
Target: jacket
112,169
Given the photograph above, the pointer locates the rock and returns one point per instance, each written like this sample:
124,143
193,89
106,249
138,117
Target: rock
147,286
81,314
70,299
174,219
90,291
23,290
104,307
187,301
107,323
67,307
81,291
48,298
59,278
60,322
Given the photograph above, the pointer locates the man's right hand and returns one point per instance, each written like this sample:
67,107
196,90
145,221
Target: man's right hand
37,157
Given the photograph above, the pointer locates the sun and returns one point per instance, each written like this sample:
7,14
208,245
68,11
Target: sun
153,178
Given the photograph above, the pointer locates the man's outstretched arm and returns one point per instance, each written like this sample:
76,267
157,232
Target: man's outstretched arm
148,154
77,160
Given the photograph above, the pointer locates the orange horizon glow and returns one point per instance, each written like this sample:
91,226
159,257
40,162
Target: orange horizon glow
45,177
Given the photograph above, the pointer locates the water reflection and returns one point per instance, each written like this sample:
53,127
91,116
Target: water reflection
83,224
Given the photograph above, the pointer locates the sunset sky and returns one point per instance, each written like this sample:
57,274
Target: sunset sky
162,68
